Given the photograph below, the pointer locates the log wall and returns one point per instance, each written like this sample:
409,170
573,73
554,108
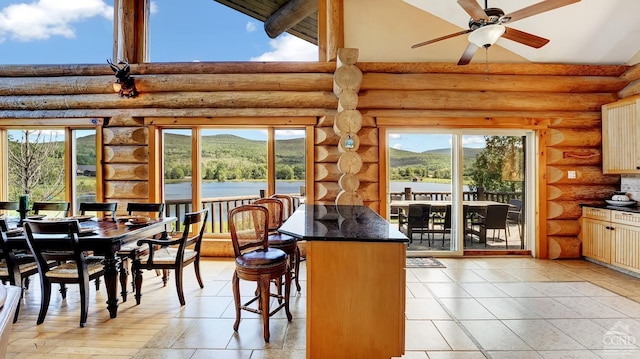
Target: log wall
561,101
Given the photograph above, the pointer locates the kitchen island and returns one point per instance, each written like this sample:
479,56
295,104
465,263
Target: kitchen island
355,281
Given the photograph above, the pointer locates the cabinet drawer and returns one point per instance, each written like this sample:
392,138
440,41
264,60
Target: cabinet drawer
625,218
597,213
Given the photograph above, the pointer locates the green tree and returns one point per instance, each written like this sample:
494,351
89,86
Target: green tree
499,167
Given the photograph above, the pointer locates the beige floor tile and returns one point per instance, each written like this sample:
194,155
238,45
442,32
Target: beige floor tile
507,308
482,290
518,289
590,307
494,335
466,308
548,308
414,354
278,354
430,275
221,354
455,335
423,335
584,331
555,289
495,275
424,308
165,354
541,335
447,290
511,354
418,290
456,355
621,304
463,275
569,354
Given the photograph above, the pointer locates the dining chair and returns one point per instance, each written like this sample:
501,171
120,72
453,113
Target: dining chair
131,251
285,242
287,205
257,262
514,215
63,208
174,254
107,209
416,220
9,206
495,218
16,266
58,241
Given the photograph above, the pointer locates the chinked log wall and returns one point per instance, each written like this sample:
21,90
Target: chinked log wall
563,101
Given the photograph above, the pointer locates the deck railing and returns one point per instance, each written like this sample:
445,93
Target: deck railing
218,209
479,195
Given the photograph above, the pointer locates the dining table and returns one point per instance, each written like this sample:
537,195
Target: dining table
105,237
441,205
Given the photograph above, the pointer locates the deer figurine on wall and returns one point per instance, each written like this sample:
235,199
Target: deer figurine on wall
125,84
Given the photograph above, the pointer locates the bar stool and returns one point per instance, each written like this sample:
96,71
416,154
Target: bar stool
278,240
257,262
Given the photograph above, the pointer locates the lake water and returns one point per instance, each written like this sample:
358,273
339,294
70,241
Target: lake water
182,190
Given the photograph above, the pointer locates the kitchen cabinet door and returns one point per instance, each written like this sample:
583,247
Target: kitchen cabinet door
625,250
596,239
621,136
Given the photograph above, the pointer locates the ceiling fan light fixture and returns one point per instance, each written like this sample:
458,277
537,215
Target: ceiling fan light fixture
487,35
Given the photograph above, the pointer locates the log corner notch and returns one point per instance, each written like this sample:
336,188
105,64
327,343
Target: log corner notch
347,123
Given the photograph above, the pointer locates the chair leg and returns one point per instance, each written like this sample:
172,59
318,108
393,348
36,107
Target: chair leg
137,279
124,278
235,284
97,283
45,296
287,293
165,277
178,276
63,290
196,267
265,283
297,268
84,300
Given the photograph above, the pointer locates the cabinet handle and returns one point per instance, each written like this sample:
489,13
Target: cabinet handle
638,167
609,228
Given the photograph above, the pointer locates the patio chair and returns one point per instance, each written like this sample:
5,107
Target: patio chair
174,254
514,215
286,243
495,218
416,220
58,241
257,262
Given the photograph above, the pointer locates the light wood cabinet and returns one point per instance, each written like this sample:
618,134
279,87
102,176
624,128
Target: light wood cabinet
621,136
596,234
611,237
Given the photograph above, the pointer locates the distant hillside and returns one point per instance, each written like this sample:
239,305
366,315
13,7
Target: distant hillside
238,152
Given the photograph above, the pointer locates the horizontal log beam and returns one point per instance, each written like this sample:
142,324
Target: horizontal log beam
477,100
630,90
478,82
463,122
288,15
88,114
568,192
77,85
223,99
572,156
586,175
494,69
168,68
480,114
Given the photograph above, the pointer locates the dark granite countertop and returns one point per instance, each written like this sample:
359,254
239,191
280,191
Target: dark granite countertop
314,222
634,209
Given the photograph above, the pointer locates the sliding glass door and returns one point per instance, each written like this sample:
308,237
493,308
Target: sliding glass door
457,191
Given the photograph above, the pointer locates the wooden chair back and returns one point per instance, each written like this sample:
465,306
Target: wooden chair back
287,205
149,208
275,208
249,226
107,209
8,206
60,207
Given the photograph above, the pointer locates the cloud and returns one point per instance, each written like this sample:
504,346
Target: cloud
289,48
251,26
153,8
473,141
43,19
397,146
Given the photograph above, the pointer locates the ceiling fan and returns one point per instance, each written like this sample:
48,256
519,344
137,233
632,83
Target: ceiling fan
486,26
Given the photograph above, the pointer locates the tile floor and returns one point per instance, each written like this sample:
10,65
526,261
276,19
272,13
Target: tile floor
474,308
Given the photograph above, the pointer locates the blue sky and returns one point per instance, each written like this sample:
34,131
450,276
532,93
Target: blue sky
81,32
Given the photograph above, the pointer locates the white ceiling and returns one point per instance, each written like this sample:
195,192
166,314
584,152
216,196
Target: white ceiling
588,32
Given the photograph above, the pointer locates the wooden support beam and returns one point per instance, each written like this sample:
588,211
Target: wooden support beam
288,16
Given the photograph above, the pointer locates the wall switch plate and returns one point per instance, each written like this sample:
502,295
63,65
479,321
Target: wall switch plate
571,174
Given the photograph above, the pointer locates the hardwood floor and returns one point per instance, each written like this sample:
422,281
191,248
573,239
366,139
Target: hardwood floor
473,308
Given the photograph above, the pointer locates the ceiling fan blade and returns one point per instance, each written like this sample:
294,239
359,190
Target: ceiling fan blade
468,54
525,38
440,38
473,9
536,9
